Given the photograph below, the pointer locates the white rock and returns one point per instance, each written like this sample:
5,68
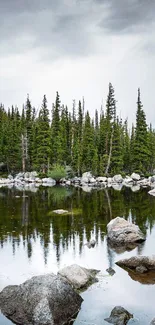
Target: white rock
86,177
152,192
60,211
135,177
92,180
68,183
128,180
118,178
49,180
135,188
101,179
78,276
109,179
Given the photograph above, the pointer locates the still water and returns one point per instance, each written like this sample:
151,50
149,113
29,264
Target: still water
34,241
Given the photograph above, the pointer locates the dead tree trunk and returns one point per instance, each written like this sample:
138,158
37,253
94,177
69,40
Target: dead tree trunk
110,153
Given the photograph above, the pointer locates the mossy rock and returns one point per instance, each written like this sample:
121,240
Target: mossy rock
74,212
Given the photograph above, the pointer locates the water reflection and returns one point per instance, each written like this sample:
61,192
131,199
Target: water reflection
35,241
26,217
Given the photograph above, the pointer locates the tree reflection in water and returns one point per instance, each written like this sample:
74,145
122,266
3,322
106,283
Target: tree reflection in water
26,216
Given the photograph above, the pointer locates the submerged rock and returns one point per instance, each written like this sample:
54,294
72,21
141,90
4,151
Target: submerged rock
119,316
60,211
42,300
122,232
111,271
79,277
140,264
91,243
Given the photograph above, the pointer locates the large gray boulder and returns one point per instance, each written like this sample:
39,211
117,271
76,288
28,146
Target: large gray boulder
140,264
122,232
78,276
42,300
119,316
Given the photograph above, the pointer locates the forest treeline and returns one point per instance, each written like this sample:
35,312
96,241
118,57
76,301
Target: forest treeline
31,140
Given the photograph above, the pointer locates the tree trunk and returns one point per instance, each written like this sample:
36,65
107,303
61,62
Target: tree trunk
110,153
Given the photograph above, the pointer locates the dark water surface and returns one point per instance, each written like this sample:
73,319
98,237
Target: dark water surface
34,241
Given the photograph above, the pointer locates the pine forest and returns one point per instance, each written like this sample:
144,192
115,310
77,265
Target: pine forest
37,140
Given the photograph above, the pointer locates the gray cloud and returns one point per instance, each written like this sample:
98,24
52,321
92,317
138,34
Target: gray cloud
57,28
127,16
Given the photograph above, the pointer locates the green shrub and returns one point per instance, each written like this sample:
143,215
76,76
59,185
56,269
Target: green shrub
57,172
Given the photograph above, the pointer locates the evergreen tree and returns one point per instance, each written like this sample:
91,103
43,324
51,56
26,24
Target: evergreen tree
43,138
141,145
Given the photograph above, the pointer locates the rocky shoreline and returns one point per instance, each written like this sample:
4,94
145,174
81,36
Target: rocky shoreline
31,181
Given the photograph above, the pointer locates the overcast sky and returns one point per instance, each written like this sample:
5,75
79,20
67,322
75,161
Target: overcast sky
77,47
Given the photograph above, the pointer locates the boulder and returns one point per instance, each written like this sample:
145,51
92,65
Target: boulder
79,277
49,180
135,177
119,316
42,300
140,264
152,192
118,178
122,232
86,177
101,179
153,322
92,180
135,188
33,174
127,180
10,177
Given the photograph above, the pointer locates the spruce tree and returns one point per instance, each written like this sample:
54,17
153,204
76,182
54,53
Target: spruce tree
43,138
141,147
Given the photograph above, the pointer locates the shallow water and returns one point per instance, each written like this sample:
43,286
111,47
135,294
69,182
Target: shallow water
34,241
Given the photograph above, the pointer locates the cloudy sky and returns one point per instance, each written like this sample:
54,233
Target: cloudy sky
77,47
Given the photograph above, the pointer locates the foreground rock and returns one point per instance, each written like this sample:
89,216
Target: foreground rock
140,264
153,322
119,316
78,276
122,232
42,300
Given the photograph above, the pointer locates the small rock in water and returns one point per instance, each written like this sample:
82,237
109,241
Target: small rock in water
119,316
111,271
91,243
60,211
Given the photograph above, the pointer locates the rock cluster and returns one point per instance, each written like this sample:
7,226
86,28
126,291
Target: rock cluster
88,181
31,181
47,299
27,181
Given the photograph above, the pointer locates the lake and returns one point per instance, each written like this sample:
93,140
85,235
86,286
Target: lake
34,241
